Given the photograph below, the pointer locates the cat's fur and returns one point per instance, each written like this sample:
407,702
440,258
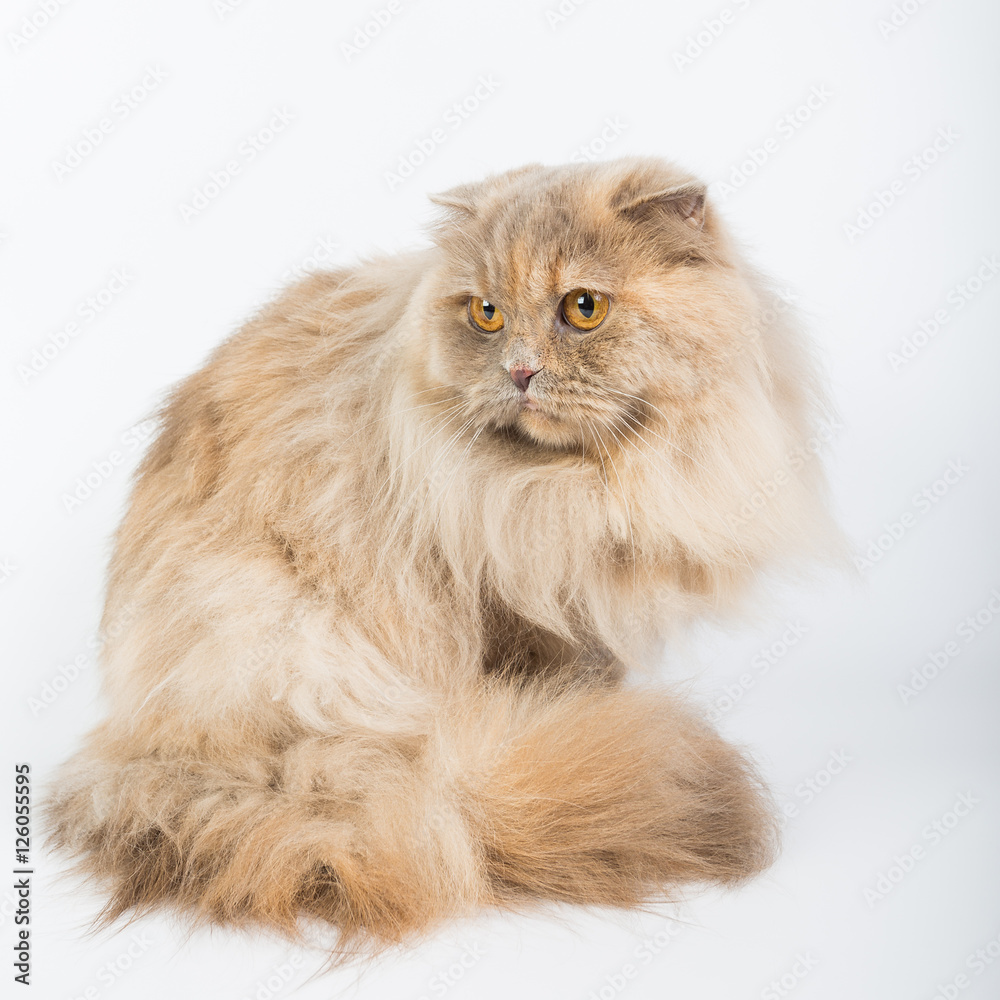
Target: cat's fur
372,616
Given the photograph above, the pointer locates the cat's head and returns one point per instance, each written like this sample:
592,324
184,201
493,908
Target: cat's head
572,303
593,362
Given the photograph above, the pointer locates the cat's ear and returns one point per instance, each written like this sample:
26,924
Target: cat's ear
471,198
463,198
685,202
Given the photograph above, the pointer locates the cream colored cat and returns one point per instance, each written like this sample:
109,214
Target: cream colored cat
399,543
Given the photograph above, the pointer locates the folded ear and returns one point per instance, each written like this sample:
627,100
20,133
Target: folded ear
470,198
685,202
463,198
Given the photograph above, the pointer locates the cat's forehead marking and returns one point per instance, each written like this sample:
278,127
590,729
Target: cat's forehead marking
537,250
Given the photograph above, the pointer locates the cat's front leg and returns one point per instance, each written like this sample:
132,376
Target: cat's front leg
517,648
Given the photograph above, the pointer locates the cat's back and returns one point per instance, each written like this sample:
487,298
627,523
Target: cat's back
310,368
314,333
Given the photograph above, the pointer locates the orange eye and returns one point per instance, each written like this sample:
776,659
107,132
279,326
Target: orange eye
584,308
485,314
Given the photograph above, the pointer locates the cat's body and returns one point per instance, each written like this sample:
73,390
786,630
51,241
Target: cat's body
384,571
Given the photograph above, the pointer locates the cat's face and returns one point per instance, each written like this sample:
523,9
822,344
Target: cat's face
572,302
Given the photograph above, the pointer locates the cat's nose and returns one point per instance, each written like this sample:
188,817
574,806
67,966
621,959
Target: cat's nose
521,374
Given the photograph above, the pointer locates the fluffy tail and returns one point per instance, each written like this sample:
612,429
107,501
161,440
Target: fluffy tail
613,798
593,796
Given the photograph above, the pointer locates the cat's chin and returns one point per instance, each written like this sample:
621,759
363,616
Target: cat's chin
540,428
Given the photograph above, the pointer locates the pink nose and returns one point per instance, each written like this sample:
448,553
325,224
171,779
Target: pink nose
521,374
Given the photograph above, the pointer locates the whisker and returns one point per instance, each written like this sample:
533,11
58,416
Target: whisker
386,543
672,444
597,437
445,419
454,474
396,413
628,509
652,456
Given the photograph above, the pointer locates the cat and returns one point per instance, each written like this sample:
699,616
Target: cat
399,554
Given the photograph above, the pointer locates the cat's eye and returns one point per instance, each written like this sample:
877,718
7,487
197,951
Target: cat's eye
584,308
485,314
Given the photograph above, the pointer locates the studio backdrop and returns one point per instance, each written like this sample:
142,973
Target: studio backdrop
168,169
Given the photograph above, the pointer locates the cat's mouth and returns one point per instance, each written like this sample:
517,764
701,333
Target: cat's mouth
539,422
530,420
579,420
555,420
530,408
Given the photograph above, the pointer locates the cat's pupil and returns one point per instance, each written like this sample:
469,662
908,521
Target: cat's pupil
489,310
585,303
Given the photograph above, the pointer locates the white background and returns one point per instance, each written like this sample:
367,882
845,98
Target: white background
323,180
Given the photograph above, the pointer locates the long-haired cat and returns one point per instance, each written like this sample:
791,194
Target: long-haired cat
397,547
